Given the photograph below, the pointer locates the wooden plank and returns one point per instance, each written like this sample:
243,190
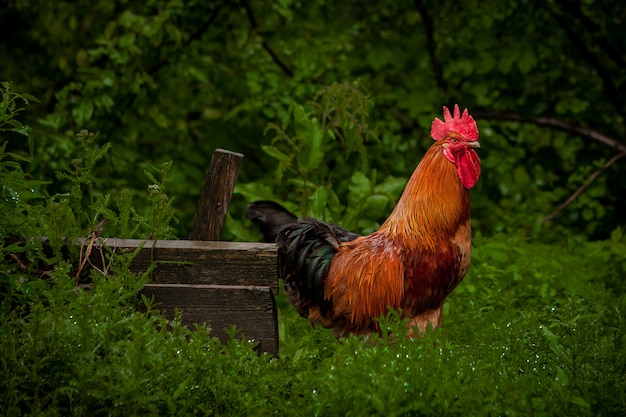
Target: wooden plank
199,262
251,309
215,196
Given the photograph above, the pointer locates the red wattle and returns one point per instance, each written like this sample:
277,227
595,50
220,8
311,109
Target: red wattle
468,168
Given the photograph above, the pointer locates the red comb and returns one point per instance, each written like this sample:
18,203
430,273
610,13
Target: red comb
462,124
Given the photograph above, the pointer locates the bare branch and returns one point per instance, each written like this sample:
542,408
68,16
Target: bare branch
580,189
264,42
555,124
431,46
195,35
565,127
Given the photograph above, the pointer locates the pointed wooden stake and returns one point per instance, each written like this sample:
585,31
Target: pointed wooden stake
215,196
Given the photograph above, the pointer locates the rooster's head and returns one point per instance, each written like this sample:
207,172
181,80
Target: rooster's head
458,134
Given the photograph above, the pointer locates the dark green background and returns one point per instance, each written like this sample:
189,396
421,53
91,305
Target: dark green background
170,80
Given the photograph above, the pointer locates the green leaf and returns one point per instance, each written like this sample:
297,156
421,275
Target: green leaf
27,97
527,60
375,206
127,40
392,187
616,235
23,130
253,191
311,137
240,231
318,202
83,112
619,249
273,151
174,33
110,29
360,186
379,57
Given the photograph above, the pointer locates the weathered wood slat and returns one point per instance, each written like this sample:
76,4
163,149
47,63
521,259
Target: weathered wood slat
199,262
215,196
251,308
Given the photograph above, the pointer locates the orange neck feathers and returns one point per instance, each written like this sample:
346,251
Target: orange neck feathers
433,204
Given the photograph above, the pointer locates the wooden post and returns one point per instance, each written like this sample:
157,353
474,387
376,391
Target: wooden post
229,287
215,196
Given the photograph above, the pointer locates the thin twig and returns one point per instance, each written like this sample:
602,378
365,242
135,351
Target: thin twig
105,267
556,124
580,189
569,128
25,268
95,234
195,35
431,46
264,42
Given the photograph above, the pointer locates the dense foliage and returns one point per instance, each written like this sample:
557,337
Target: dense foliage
173,80
331,102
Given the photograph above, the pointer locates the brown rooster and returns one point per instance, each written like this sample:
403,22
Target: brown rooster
417,257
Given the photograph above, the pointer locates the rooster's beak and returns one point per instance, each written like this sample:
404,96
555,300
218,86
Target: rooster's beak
474,144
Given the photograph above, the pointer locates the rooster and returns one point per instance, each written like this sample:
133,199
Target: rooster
413,262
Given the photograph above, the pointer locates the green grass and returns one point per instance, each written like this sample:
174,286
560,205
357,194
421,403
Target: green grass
533,330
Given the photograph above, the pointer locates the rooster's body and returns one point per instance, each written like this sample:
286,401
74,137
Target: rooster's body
413,262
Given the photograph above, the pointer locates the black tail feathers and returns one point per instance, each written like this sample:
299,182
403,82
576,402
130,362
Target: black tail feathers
305,251
306,248
271,218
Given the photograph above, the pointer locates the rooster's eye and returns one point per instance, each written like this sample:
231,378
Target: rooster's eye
454,140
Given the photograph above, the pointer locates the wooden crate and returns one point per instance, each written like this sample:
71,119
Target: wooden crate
218,283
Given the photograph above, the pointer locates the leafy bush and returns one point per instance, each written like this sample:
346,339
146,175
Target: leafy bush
323,163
